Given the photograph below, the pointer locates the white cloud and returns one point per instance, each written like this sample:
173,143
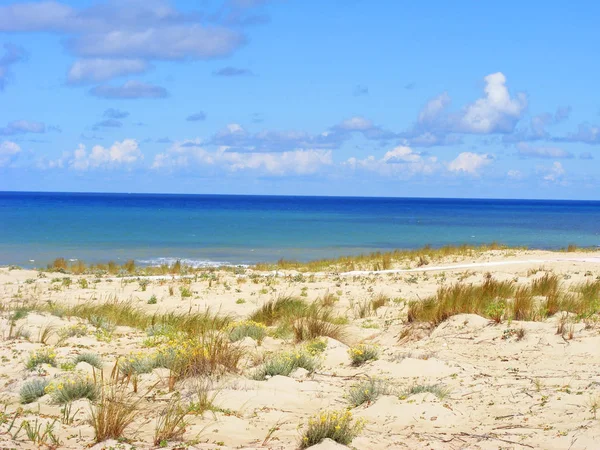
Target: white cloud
515,174
23,126
401,161
102,69
554,173
470,163
434,108
497,112
120,154
192,156
529,151
8,151
170,42
356,124
125,30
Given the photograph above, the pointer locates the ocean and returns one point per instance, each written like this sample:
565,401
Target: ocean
201,230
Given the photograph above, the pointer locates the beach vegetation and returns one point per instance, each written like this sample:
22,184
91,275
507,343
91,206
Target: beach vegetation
248,328
46,355
363,353
368,391
285,363
439,390
72,387
32,390
115,410
170,424
92,359
317,321
41,433
338,426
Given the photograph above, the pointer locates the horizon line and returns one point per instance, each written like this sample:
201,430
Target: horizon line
297,195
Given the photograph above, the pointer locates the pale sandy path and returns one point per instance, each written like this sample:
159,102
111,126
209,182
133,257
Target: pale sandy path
474,265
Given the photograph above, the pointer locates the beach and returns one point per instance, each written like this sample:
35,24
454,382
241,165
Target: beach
465,381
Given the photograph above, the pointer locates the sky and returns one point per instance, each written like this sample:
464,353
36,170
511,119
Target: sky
290,97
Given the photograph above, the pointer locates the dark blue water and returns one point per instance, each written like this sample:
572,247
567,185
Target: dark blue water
39,227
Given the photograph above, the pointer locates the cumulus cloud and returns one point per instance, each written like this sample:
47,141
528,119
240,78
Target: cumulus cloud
102,69
120,154
12,54
8,152
130,90
196,117
22,127
470,163
232,72
497,112
192,155
530,151
113,36
113,113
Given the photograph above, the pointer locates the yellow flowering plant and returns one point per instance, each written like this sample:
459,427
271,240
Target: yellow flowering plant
363,353
45,355
338,426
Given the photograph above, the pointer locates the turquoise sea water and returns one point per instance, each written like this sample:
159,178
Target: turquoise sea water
35,228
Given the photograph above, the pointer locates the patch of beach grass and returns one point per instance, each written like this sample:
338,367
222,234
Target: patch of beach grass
439,390
285,363
368,391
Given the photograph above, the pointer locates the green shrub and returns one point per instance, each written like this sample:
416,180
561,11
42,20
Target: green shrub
32,390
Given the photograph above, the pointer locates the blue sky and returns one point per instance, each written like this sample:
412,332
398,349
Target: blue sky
353,97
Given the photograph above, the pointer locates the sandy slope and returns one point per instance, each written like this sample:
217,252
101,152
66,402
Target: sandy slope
535,392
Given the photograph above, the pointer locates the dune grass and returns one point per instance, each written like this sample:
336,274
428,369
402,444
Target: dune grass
440,391
115,410
285,363
382,260
499,301
279,309
368,391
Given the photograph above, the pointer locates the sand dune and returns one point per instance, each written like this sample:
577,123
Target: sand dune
466,383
